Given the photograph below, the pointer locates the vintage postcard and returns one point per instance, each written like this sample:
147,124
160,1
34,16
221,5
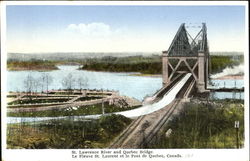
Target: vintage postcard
124,81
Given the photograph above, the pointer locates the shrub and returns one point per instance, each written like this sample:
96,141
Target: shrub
113,124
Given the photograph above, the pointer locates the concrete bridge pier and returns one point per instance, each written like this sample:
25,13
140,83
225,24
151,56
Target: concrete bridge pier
165,77
201,72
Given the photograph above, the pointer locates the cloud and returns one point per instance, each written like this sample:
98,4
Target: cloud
91,37
97,29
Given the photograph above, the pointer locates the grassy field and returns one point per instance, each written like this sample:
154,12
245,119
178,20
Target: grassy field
66,134
204,126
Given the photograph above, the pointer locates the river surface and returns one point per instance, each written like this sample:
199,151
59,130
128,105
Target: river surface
227,83
137,87
140,111
134,86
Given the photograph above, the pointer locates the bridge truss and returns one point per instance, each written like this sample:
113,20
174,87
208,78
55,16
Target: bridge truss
187,54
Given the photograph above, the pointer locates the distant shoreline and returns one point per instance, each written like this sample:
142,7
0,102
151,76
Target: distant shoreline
146,75
238,77
30,69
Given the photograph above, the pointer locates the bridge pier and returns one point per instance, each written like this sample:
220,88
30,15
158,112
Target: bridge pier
165,74
201,72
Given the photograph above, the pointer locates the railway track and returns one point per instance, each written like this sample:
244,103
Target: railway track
144,128
159,125
190,83
123,136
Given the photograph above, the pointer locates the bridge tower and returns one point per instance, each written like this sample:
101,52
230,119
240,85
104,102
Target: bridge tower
187,55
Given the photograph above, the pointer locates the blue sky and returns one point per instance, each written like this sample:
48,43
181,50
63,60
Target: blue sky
118,28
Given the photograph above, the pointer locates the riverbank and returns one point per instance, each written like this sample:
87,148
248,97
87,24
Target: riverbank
37,65
144,64
237,77
40,69
147,75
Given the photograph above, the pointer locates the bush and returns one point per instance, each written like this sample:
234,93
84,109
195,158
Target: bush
205,126
113,124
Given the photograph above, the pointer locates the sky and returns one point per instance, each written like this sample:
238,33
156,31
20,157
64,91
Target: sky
79,28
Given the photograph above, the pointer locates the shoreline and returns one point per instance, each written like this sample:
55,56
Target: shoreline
39,70
146,75
238,77
32,68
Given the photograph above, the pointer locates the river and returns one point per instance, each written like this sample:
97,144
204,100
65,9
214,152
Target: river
137,87
143,110
134,86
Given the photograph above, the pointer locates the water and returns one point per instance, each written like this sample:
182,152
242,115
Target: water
134,86
228,83
143,110
224,95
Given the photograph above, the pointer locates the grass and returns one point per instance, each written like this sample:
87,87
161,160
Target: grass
11,96
38,96
87,98
66,134
32,101
205,126
75,111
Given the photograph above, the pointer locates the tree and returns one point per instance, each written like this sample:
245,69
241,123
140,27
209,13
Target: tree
82,82
37,84
42,82
46,81
29,84
68,82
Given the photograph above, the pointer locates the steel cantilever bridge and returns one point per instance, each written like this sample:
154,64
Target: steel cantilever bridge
190,54
184,71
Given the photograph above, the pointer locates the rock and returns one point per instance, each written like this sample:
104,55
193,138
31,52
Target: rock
168,133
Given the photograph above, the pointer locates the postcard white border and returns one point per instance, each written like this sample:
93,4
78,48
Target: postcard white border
65,155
